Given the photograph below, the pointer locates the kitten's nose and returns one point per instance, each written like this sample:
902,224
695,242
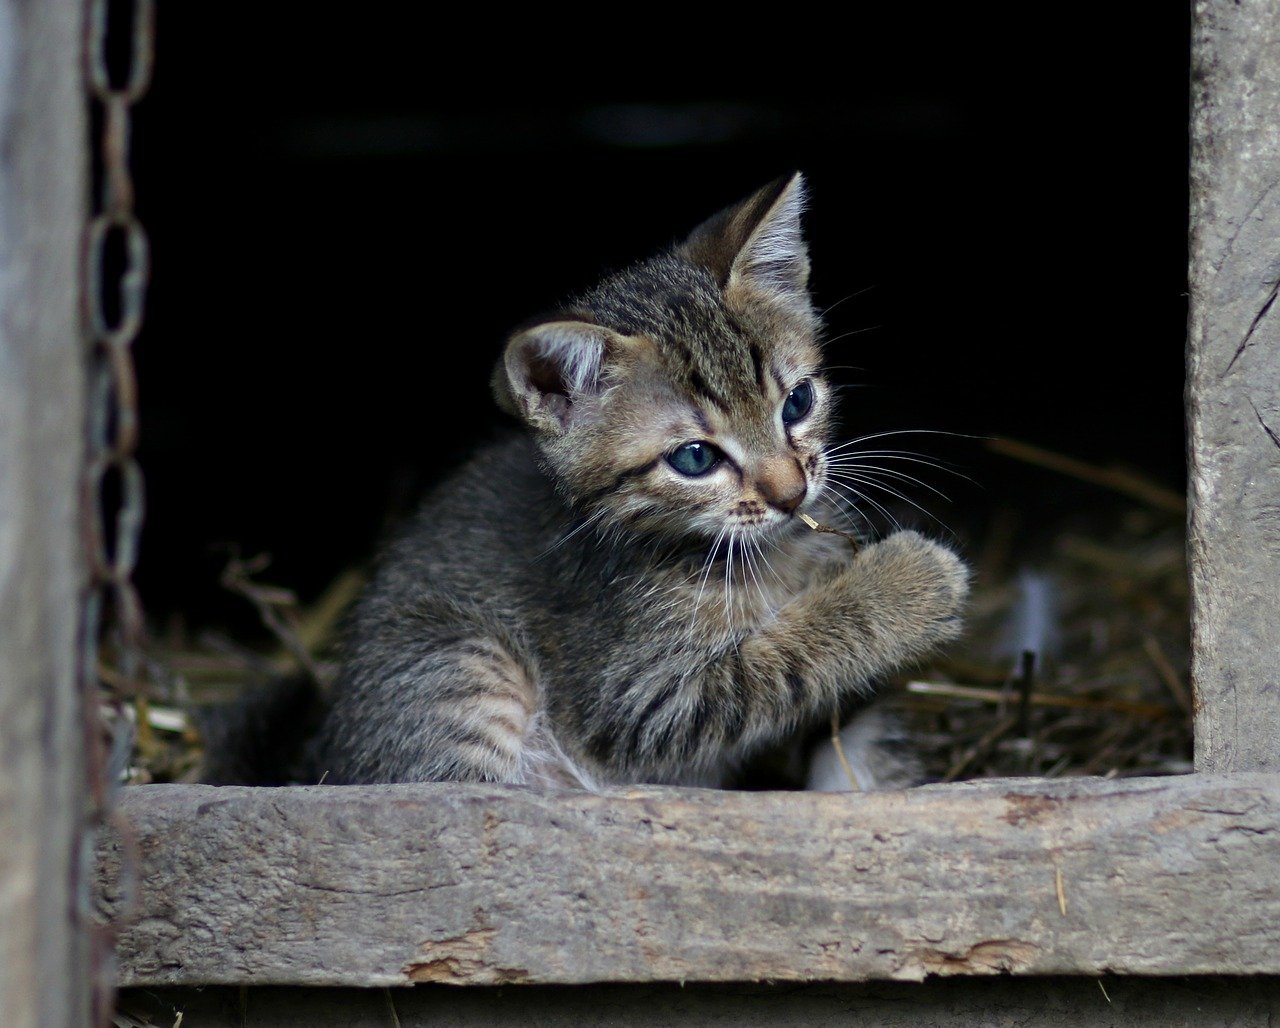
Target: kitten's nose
782,484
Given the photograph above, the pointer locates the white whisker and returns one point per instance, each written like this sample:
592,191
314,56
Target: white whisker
749,562
856,293
873,484
706,573
768,563
728,580
871,471
587,523
848,508
899,455
852,332
902,431
846,487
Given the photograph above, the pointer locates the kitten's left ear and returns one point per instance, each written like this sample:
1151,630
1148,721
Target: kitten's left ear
759,242
550,373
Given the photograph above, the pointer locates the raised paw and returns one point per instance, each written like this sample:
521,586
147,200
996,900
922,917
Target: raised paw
921,583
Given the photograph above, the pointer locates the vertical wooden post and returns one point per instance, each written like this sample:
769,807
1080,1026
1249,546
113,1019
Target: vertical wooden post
1234,384
43,193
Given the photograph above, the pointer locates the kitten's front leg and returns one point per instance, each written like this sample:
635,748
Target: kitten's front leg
896,601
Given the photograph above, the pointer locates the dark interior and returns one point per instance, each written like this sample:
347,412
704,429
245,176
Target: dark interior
348,212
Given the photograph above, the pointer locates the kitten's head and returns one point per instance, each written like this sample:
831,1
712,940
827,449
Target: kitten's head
682,396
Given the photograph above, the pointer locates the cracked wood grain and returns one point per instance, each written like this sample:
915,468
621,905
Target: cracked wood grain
1233,387
491,885
1271,432
1253,325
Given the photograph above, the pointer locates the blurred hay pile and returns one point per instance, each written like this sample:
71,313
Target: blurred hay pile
1100,690
191,671
1075,661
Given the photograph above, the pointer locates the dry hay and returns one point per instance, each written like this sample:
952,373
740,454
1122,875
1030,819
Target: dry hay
1076,664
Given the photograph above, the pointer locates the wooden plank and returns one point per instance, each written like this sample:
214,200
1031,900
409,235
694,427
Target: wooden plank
391,885
1052,1002
1234,384
43,191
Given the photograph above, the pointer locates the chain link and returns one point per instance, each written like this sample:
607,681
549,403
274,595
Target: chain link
114,287
115,292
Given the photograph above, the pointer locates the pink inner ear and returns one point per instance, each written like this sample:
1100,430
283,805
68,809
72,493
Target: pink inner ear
558,406
546,376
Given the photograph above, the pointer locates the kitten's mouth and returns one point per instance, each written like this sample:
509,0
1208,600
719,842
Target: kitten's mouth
770,529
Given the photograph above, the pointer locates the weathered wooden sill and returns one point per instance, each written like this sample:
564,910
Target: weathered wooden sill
392,885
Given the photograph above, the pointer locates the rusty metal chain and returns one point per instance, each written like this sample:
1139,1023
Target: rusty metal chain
114,286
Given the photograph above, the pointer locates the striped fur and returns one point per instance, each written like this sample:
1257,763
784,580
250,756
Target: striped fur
571,609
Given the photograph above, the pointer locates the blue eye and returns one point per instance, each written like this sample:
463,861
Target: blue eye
798,403
694,459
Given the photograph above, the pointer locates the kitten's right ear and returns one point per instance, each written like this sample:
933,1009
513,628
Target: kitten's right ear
758,243
550,372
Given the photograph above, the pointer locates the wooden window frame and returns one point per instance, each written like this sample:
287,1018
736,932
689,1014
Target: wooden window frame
394,885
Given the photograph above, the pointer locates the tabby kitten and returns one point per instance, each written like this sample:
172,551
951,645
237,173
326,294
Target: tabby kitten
626,592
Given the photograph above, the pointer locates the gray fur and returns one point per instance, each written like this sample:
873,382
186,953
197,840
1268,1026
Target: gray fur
570,609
